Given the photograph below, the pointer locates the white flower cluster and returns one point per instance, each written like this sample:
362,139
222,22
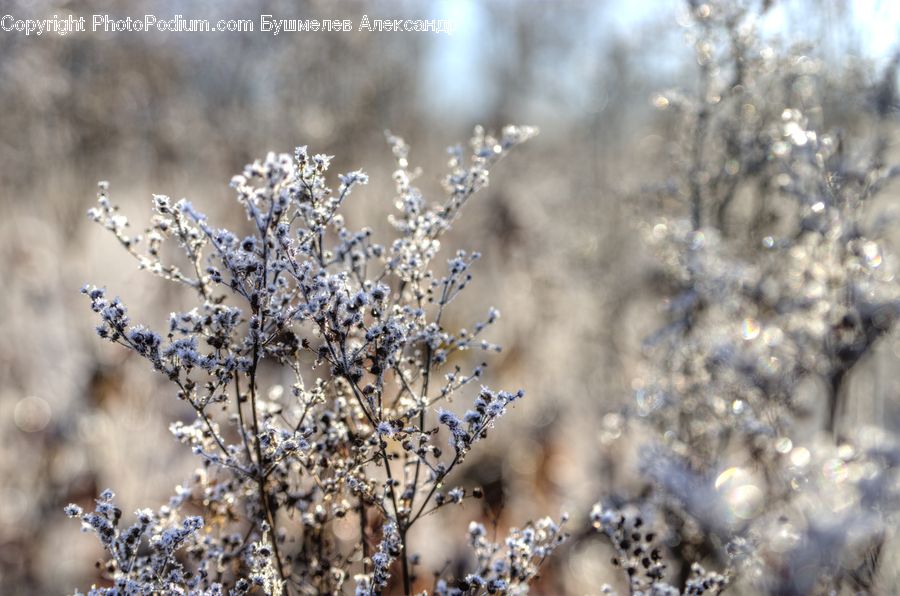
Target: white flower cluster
356,329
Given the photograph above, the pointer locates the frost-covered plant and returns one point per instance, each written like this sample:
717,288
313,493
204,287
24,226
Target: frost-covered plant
640,555
356,328
782,285
161,535
509,570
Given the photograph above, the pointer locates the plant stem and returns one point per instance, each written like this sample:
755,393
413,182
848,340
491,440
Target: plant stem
260,477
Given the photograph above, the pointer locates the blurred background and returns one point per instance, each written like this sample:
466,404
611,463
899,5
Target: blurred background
179,113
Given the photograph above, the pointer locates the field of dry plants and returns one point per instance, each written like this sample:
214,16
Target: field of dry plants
580,298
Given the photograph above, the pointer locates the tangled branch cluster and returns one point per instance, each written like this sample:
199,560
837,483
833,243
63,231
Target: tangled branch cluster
356,328
781,286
